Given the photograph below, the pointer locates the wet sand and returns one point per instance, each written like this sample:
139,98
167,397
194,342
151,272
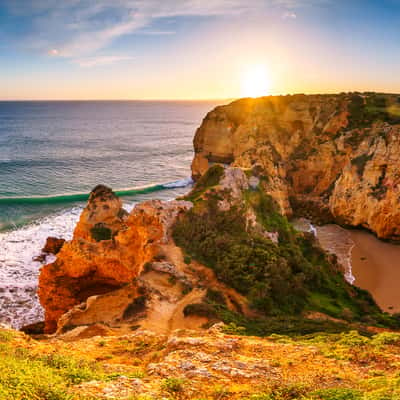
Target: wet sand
376,268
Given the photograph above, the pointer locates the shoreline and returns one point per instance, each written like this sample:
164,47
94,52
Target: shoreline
376,267
335,239
369,263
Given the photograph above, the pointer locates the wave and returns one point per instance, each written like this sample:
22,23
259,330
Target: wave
80,197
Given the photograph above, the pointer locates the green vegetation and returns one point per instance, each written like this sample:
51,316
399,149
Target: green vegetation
208,180
318,366
201,310
28,376
100,232
367,109
173,385
336,394
280,280
187,259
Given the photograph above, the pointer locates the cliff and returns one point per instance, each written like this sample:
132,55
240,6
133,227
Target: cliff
222,253
328,157
123,270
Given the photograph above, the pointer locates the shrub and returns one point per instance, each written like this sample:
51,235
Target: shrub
200,309
208,180
187,259
336,394
386,338
100,232
215,296
353,338
173,385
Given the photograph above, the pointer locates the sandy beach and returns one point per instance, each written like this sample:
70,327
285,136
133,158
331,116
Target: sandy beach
369,263
376,267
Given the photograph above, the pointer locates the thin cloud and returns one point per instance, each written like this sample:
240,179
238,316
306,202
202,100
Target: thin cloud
96,61
80,28
289,15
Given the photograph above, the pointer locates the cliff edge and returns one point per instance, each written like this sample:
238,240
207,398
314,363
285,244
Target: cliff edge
333,158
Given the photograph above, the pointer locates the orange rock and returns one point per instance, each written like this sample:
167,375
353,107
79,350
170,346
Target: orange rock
88,266
53,245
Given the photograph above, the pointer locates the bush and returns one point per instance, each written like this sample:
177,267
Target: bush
187,259
173,385
200,310
215,296
100,232
209,179
385,338
336,394
352,338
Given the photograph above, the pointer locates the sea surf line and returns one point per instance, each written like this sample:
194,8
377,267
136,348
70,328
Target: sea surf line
75,197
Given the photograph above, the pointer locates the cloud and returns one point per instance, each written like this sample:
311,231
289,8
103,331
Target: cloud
289,15
53,52
96,61
80,28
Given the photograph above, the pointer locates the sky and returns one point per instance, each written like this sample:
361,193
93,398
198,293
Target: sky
196,49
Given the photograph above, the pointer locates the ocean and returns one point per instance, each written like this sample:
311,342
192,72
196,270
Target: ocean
53,153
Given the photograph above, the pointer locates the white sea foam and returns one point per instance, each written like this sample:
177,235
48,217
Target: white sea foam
180,183
19,304
313,230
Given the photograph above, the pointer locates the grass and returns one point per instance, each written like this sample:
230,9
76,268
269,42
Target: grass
25,375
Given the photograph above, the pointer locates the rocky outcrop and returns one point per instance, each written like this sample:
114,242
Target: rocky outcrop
330,157
53,245
107,252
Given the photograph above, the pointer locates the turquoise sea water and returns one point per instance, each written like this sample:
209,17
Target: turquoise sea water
50,151
53,153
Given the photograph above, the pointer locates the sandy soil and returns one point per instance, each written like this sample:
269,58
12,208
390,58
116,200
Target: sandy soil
376,267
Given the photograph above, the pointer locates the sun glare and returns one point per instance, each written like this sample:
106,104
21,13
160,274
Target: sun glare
255,82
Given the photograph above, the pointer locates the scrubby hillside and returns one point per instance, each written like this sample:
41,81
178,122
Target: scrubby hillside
236,229
193,365
223,253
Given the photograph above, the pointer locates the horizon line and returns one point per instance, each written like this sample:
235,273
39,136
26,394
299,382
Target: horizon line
209,99
105,99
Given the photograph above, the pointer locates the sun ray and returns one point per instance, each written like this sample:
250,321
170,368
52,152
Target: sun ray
255,81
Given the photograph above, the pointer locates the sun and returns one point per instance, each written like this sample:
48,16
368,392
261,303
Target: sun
255,81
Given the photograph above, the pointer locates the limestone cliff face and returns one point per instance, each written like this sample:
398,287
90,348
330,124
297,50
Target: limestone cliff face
108,251
335,157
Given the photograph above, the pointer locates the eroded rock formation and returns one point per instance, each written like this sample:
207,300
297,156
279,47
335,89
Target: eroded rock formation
330,157
108,251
